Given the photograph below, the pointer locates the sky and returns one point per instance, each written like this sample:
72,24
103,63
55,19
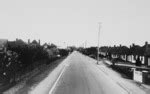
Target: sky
75,22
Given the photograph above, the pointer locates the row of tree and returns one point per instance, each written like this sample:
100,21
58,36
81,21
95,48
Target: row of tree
134,50
20,56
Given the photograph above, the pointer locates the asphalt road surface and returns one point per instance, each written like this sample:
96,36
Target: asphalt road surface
82,76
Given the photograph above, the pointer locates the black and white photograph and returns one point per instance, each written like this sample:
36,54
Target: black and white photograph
74,46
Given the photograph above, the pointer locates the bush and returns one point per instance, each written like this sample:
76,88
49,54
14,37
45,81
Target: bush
22,58
63,52
125,71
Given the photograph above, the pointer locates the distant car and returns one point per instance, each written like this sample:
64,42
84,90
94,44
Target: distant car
92,56
58,55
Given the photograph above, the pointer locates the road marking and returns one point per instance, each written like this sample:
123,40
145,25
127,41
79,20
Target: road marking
53,87
128,91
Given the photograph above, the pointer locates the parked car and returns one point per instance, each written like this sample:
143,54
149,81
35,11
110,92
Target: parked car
92,56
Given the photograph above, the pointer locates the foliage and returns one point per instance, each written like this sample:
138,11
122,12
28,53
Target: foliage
90,51
63,52
21,56
125,71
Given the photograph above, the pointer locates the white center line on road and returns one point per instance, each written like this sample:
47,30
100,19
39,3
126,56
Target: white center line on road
53,87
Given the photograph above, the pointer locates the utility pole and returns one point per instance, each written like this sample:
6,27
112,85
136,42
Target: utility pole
98,42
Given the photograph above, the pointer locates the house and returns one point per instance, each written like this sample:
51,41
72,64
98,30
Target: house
16,43
51,49
34,43
147,54
3,45
130,54
45,45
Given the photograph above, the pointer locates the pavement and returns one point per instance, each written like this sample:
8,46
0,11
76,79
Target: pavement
127,65
79,74
113,74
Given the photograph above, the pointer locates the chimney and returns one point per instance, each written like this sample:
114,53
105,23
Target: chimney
133,44
28,41
39,41
120,45
130,46
146,43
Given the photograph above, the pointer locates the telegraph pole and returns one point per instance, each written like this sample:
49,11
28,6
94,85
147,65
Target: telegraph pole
98,42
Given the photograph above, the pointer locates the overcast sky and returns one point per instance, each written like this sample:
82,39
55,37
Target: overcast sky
72,22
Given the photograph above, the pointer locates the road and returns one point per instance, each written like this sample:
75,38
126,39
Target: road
82,76
78,74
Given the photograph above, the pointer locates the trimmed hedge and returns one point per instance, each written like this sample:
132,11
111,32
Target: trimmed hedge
125,71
